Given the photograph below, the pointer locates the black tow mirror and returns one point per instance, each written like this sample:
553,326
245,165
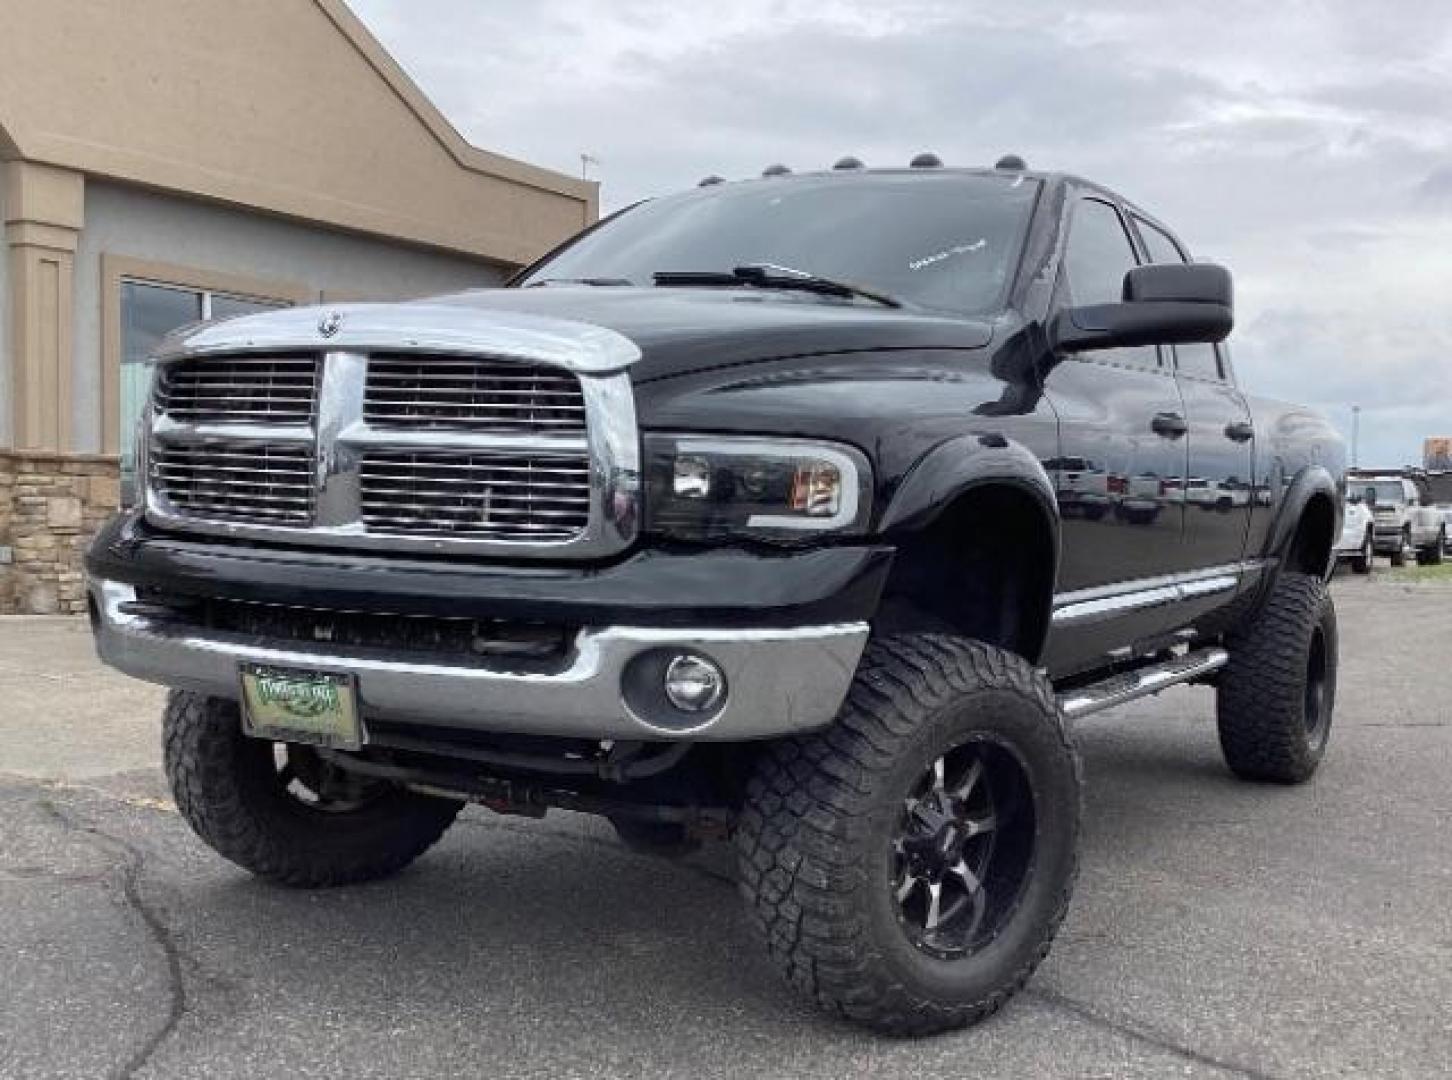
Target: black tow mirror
1164,304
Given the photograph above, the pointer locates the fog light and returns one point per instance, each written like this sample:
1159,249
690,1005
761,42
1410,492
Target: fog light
693,683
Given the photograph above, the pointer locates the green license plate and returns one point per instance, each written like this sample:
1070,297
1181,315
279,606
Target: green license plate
289,705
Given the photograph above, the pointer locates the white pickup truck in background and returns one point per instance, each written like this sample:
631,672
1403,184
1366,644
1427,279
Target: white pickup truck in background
1357,534
1401,520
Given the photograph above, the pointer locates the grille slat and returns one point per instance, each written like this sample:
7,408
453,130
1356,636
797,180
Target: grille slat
528,511
385,482
471,394
245,472
551,469
239,389
471,495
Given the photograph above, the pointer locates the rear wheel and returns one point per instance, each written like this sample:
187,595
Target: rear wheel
1277,694
909,866
281,810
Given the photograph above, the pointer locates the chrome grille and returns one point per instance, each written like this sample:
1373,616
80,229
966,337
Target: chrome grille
239,390
395,451
521,497
476,394
236,481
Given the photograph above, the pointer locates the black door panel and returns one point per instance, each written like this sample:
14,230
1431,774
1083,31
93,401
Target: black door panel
1119,479
1220,490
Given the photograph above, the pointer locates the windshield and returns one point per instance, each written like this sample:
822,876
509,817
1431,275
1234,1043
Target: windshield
948,241
1384,491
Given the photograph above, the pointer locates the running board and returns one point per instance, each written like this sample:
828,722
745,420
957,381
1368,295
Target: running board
1142,683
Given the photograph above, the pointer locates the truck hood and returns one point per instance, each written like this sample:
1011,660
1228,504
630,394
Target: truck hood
655,332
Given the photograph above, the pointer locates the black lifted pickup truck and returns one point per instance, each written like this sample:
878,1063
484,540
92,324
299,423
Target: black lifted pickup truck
807,511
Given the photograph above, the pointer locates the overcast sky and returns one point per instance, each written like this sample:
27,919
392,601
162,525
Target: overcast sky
1307,145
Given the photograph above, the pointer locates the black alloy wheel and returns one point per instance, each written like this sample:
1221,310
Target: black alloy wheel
960,856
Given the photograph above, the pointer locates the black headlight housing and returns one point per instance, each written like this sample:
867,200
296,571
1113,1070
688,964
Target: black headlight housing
719,487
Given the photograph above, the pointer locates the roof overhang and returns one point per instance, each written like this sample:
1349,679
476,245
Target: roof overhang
291,109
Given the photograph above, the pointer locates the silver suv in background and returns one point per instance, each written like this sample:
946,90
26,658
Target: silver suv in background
1401,522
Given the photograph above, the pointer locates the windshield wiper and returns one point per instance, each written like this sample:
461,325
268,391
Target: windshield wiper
771,276
579,281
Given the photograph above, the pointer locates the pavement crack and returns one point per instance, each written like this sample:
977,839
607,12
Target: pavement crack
1142,1033
131,865
45,873
1403,724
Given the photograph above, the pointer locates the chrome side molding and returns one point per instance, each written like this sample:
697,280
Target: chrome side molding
1109,601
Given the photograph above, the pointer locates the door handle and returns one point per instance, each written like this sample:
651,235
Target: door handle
1169,424
1240,431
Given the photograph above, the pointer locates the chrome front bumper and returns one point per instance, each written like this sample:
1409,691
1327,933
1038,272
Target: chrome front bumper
779,681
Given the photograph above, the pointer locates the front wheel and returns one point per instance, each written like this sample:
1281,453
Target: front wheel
281,810
909,866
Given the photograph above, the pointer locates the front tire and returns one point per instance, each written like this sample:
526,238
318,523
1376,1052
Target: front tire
279,811
909,866
1277,694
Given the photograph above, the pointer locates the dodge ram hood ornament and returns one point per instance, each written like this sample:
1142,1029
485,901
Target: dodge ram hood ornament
330,323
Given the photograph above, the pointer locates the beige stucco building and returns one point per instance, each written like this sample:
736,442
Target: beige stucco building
178,159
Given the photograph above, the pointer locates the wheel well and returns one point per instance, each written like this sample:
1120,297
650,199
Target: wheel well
1310,549
984,568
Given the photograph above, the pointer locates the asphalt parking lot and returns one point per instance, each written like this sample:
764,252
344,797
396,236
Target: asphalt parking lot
1218,928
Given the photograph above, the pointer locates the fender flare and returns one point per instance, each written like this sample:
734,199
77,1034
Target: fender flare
966,463
954,467
1310,482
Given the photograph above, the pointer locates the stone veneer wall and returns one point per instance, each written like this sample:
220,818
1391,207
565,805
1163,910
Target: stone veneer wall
50,507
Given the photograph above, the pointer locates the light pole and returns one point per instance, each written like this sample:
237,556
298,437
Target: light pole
1355,436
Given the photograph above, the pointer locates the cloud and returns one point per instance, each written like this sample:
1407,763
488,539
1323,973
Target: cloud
1308,145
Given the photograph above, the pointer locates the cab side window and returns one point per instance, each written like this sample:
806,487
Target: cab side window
1098,256
1202,360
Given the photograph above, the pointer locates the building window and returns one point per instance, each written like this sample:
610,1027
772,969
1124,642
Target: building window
149,311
